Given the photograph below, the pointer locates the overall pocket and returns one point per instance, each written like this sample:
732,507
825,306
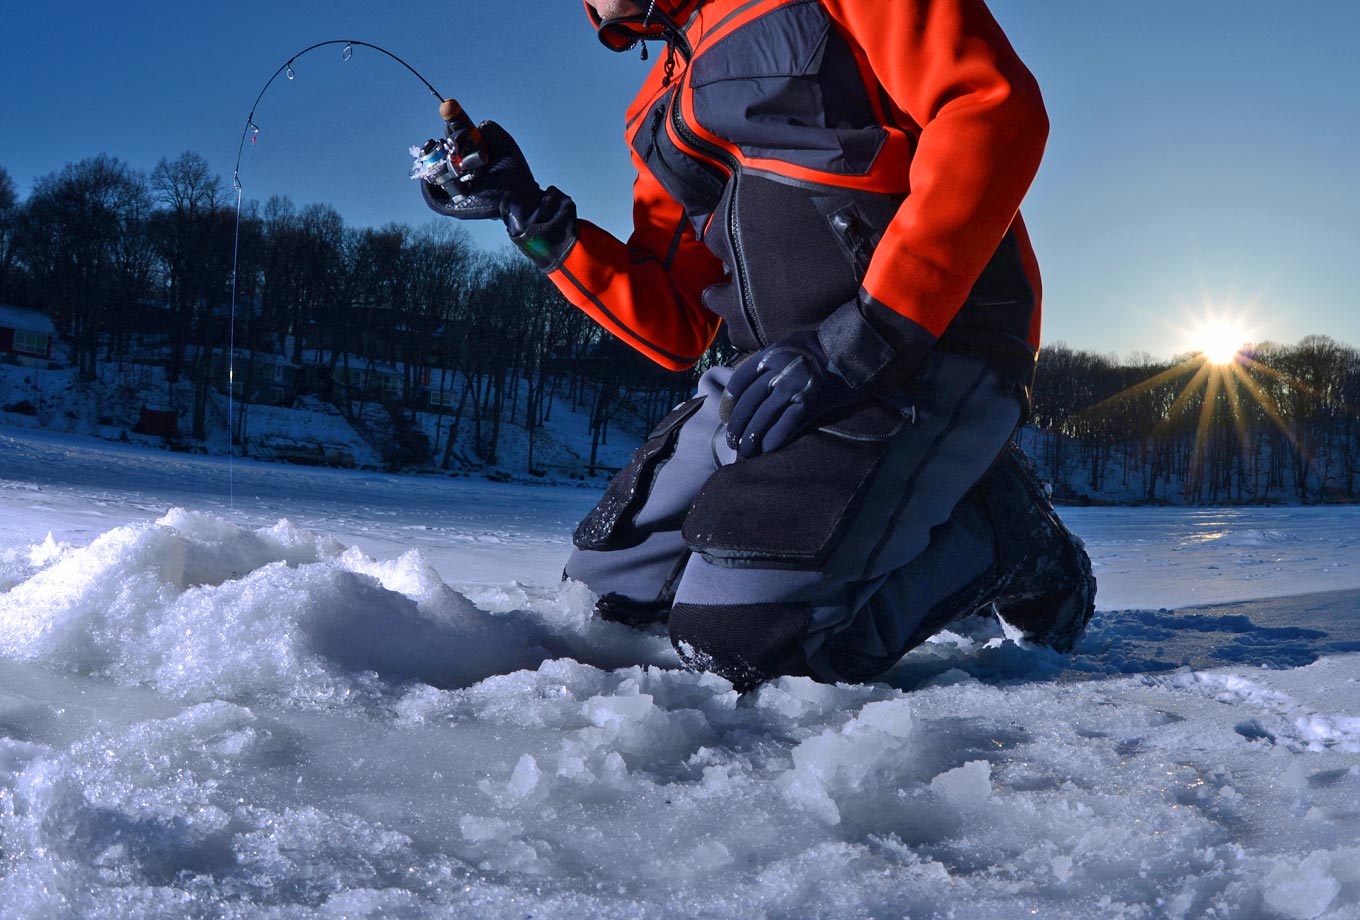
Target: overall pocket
609,525
787,87
695,185
790,509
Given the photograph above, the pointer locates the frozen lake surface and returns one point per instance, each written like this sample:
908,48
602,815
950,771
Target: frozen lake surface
277,692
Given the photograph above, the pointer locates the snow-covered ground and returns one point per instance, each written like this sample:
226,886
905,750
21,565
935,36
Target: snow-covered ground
313,693
55,402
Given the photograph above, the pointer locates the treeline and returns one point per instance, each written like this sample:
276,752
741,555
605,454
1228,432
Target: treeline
479,341
1280,423
118,258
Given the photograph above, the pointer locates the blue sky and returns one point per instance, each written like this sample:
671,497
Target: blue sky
1202,159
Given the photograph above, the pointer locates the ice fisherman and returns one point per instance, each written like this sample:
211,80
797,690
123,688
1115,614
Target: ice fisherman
838,181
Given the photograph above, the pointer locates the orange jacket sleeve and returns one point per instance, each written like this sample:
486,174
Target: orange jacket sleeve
646,291
951,75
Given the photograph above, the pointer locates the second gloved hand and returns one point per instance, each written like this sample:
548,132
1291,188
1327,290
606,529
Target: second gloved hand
781,390
506,189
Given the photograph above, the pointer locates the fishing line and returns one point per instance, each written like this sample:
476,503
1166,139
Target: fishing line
252,131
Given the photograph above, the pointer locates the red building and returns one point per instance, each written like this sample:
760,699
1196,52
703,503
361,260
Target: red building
26,337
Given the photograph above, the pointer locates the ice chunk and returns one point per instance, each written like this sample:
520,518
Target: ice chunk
524,779
615,711
836,764
479,829
1327,732
1061,865
18,565
47,552
1301,890
15,756
892,717
800,698
969,784
627,723
708,856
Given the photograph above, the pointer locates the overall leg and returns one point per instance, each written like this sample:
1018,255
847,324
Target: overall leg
629,549
947,581
1003,549
754,604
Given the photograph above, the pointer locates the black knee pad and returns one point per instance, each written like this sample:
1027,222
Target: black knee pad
746,644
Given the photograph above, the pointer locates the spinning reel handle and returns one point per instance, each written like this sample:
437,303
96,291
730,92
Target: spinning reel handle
456,158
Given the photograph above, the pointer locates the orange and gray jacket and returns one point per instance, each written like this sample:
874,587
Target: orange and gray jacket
851,165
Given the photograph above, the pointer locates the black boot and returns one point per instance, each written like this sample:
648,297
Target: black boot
1043,585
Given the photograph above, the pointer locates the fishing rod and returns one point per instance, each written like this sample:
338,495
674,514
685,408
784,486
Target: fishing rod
453,161
251,129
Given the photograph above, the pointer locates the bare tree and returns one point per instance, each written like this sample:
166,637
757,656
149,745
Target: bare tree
187,236
9,215
84,242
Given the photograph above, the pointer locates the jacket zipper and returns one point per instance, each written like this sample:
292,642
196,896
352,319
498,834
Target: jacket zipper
714,152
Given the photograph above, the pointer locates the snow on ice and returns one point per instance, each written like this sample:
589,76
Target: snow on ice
356,695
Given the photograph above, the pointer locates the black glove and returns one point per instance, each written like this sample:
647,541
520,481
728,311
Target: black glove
782,390
541,223
506,189
778,392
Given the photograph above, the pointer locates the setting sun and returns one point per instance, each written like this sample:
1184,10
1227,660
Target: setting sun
1220,341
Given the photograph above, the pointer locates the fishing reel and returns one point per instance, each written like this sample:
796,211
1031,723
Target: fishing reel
456,158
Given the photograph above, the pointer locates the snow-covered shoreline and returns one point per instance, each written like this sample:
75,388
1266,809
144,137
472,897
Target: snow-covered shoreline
53,403
387,706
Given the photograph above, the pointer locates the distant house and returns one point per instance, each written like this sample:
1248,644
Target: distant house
437,394
26,337
367,380
260,378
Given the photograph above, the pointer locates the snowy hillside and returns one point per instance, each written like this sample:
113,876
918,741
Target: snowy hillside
54,401
387,705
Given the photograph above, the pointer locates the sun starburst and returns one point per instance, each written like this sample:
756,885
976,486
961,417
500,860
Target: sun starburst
1217,377
1221,340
